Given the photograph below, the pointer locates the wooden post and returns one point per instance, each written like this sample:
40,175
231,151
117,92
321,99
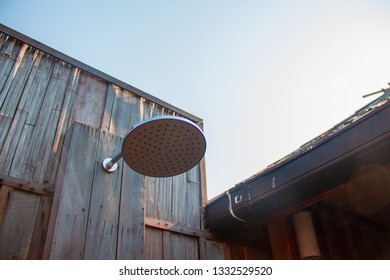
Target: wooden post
69,214
306,236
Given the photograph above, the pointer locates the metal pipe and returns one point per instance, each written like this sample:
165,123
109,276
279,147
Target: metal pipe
306,236
373,93
116,158
376,92
109,164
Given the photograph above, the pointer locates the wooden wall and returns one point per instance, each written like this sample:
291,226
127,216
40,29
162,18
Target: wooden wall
24,214
58,119
340,236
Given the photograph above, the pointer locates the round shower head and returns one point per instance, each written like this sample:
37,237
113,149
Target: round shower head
164,146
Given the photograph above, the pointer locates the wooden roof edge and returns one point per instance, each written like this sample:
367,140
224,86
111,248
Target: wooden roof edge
76,63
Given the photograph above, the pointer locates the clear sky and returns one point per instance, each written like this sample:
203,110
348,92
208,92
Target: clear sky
266,76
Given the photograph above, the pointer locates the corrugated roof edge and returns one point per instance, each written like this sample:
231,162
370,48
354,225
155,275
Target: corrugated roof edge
324,137
38,45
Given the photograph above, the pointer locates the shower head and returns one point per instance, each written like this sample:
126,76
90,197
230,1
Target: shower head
161,146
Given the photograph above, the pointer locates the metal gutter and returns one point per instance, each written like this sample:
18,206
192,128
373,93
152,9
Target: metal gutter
316,167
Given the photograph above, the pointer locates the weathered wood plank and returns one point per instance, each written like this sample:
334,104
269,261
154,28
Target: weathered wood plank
22,185
202,248
214,250
35,142
59,184
5,125
102,231
203,182
200,178
166,245
152,207
36,84
131,220
218,250
193,198
192,250
40,230
18,225
63,124
193,175
39,85
158,198
193,205
3,38
179,199
19,138
165,200
107,114
142,108
12,91
89,103
72,196
7,60
153,244
11,142
19,165
5,194
41,153
151,109
180,247
48,120
125,112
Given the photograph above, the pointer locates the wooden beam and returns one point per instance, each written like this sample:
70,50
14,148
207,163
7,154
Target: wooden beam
178,228
26,186
351,217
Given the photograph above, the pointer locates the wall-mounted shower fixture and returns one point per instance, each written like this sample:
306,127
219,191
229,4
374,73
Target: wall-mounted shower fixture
161,146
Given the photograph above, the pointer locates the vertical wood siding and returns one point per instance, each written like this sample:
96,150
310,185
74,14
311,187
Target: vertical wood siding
23,222
15,239
57,123
342,239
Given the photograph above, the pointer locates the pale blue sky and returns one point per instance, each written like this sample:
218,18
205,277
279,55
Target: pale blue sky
266,76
